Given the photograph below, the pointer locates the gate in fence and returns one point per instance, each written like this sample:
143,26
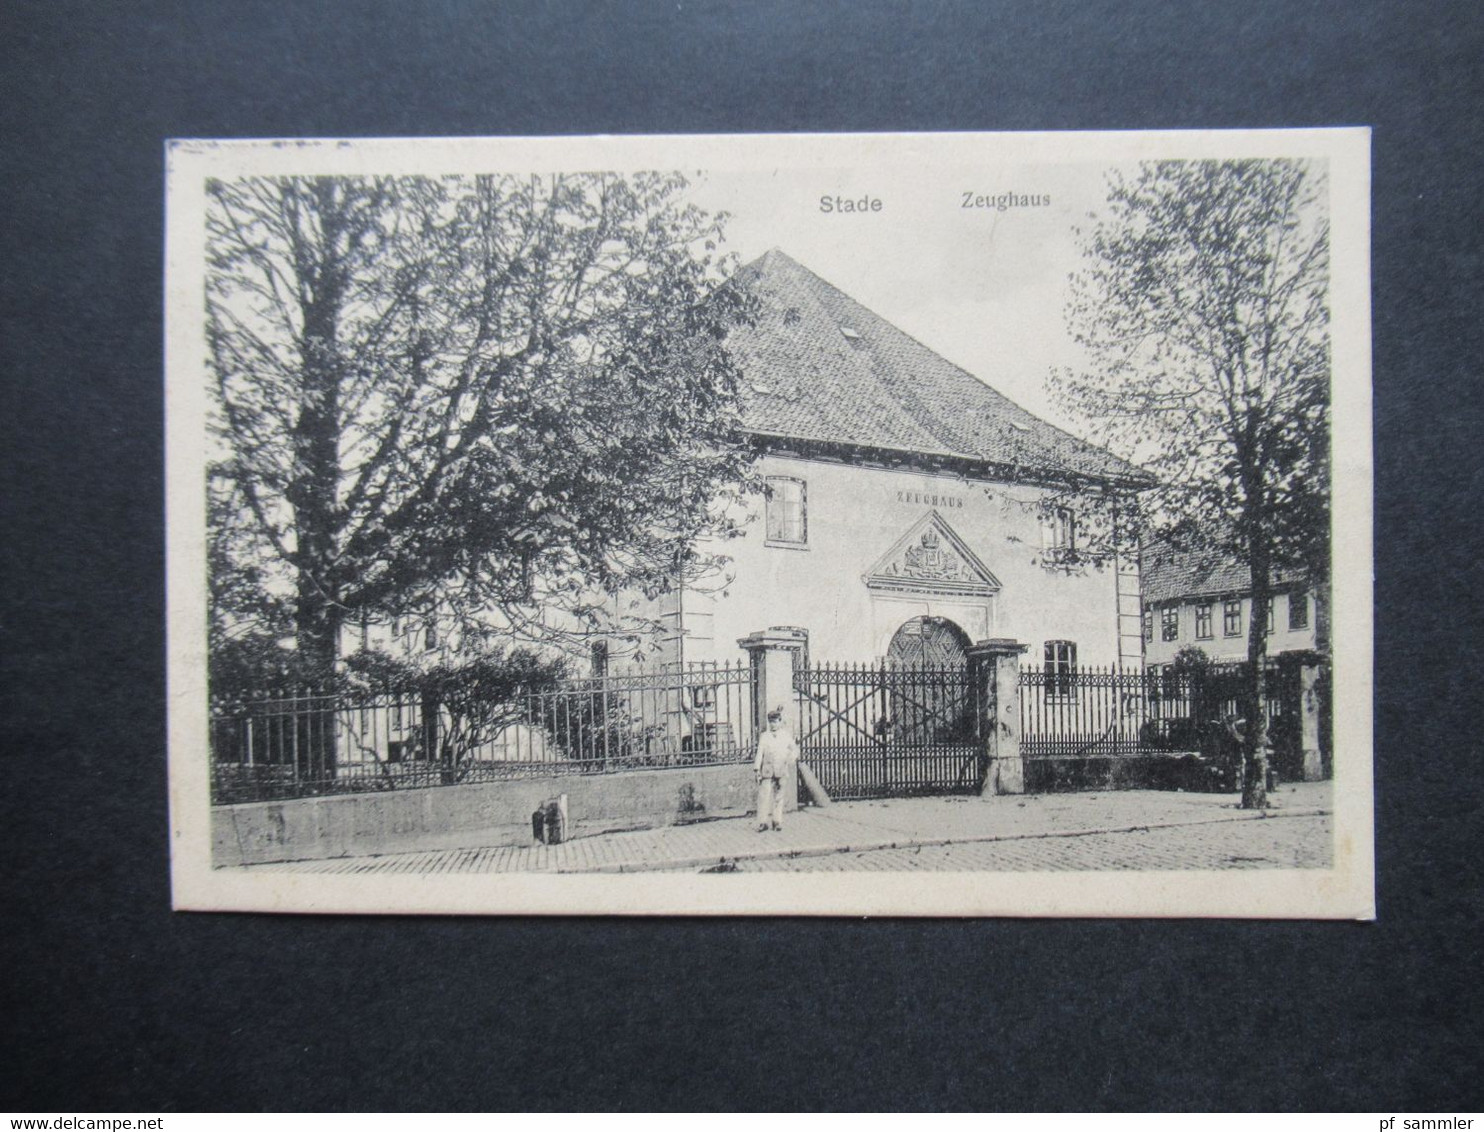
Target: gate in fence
891,728
871,731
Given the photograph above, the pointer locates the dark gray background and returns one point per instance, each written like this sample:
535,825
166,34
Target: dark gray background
113,1002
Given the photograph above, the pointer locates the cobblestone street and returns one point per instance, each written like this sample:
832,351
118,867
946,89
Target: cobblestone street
1130,830
1277,843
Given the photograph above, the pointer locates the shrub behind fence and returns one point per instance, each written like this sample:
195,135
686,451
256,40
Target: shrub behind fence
289,746
1091,727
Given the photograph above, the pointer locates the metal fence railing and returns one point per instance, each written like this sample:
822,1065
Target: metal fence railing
1089,712
866,730
881,730
297,745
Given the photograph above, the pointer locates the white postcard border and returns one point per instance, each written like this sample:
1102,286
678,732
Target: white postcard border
1344,891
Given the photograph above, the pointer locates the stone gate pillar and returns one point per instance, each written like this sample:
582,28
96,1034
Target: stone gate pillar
774,654
994,666
1299,671
1309,723
1309,713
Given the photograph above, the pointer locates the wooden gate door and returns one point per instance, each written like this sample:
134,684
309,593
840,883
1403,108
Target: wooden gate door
928,642
891,730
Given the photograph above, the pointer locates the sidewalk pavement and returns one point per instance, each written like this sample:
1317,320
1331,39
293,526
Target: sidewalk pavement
845,827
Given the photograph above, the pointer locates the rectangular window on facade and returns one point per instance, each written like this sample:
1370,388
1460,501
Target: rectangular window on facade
1169,619
1298,611
430,634
787,511
1268,626
1059,531
1149,625
1231,617
600,658
1203,621
1061,667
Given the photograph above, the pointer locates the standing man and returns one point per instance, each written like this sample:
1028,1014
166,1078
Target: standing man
776,769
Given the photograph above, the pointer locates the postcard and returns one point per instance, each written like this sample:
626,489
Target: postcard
849,525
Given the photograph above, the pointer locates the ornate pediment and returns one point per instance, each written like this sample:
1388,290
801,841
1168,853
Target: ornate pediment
931,558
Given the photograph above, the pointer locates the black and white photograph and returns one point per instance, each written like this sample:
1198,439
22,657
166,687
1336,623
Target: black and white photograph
959,524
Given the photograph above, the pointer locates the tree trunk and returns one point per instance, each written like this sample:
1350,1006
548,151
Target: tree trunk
313,492
1321,615
317,615
1255,739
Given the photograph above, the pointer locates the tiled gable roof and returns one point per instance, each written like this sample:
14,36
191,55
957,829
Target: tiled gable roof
818,366
1171,575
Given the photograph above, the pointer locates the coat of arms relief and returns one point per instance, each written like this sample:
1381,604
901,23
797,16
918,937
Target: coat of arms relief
931,558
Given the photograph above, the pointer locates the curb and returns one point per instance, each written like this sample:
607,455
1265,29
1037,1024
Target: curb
678,863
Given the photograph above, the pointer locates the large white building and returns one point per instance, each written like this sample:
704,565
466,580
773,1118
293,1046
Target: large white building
909,511
904,513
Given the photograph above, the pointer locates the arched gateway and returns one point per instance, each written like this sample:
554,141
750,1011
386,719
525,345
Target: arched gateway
929,642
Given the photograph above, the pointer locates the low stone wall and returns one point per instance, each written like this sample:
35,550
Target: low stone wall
453,817
1187,771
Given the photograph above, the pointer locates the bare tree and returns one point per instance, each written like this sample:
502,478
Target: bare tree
1203,310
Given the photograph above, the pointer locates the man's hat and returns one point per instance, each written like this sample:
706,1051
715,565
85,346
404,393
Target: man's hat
776,713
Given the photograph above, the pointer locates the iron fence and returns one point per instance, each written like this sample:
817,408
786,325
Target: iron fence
1095,711
298,745
876,730
867,730
1089,711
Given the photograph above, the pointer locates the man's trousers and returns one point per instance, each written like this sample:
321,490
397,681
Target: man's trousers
770,801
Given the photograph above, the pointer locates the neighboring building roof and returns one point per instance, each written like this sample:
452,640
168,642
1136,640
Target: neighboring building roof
1174,575
820,367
